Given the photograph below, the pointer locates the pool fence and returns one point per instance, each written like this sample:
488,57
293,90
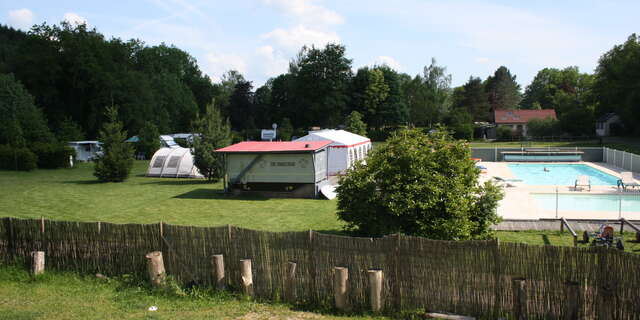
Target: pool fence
621,159
485,279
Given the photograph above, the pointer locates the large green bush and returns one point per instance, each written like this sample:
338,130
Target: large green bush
418,184
504,133
52,155
17,158
543,127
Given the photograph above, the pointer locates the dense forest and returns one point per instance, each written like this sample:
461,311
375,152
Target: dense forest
67,75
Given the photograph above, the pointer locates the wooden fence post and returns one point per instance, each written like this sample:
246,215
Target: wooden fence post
290,291
519,298
572,294
375,289
155,266
37,262
247,277
41,224
218,271
340,287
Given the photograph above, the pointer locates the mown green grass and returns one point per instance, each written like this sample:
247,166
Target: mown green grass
75,195
54,296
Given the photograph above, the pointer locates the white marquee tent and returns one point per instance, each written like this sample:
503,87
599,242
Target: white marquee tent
174,163
344,151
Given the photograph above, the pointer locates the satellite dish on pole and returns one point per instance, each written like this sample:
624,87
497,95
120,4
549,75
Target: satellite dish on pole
274,126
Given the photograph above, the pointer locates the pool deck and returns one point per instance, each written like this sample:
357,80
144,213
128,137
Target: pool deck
519,204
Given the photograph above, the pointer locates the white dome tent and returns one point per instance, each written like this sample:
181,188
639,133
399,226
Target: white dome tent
346,148
173,163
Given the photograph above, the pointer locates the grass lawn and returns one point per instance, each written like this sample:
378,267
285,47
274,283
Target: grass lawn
75,195
54,296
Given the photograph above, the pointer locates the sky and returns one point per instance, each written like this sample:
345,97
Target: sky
260,37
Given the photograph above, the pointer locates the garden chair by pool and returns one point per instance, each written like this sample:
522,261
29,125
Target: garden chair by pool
627,180
581,182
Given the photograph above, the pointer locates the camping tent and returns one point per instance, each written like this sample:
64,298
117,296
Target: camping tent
174,163
346,148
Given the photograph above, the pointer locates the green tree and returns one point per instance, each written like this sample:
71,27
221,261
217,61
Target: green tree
355,124
428,96
474,99
149,140
285,131
617,82
321,80
21,122
418,184
567,91
69,130
503,92
543,127
115,164
213,132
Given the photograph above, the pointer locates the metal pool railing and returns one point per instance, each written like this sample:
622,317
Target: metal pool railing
626,204
622,159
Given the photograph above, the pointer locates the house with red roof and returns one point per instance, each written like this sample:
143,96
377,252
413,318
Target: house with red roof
517,119
296,169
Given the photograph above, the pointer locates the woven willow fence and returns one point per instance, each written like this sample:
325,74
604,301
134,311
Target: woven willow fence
471,278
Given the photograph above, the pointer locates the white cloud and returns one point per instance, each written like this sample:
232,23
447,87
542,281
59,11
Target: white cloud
269,62
307,11
388,61
74,18
217,64
482,60
20,18
294,38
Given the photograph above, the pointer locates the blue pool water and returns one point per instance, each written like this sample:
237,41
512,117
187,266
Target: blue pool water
588,202
559,174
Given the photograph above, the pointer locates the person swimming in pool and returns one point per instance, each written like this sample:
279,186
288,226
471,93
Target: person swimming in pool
545,169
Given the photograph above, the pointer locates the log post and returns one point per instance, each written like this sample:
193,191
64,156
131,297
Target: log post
218,271
247,277
37,262
375,289
572,294
519,299
340,287
41,224
290,291
155,266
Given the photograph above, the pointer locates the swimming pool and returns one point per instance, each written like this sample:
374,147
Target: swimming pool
559,174
588,202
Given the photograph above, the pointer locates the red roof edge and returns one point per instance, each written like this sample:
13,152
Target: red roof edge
280,146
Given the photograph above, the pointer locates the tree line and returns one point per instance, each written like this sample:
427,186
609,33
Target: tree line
74,73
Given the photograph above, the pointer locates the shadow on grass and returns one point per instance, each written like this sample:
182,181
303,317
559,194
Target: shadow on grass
178,182
545,239
216,194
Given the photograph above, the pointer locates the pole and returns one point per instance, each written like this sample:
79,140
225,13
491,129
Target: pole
556,202
218,268
619,204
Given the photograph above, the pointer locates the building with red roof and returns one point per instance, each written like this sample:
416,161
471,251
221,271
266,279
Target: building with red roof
295,169
517,119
